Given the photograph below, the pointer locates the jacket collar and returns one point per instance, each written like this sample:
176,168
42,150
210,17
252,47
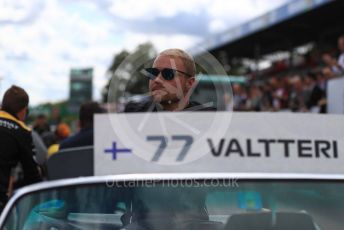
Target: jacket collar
6,115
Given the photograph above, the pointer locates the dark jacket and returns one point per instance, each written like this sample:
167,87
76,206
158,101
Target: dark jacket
15,147
316,95
83,138
150,106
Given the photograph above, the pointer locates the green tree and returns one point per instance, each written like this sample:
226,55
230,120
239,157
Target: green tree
117,60
125,72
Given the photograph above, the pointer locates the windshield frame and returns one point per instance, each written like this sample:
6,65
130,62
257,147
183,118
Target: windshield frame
64,183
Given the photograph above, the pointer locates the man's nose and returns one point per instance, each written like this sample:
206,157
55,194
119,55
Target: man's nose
159,78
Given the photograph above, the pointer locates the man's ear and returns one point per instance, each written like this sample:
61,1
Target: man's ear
190,82
22,114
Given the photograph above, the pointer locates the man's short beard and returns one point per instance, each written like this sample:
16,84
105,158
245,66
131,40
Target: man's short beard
169,101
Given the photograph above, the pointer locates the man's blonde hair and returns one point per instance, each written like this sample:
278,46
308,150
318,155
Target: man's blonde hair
187,59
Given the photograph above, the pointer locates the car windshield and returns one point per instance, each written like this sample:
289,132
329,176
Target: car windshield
193,204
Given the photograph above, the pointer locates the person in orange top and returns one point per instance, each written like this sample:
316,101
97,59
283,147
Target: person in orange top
61,133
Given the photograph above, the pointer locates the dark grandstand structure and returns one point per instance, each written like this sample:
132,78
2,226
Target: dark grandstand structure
292,25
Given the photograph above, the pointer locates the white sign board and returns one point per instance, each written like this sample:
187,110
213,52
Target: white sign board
218,142
335,96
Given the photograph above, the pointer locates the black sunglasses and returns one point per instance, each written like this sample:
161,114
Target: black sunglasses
166,73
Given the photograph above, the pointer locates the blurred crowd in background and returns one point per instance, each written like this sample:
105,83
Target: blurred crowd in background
50,136
297,87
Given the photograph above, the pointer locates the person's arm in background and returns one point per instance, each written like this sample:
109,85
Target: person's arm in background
41,149
31,171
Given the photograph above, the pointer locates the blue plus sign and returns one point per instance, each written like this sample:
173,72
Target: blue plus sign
114,150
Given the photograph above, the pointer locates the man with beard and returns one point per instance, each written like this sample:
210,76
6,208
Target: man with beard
171,82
